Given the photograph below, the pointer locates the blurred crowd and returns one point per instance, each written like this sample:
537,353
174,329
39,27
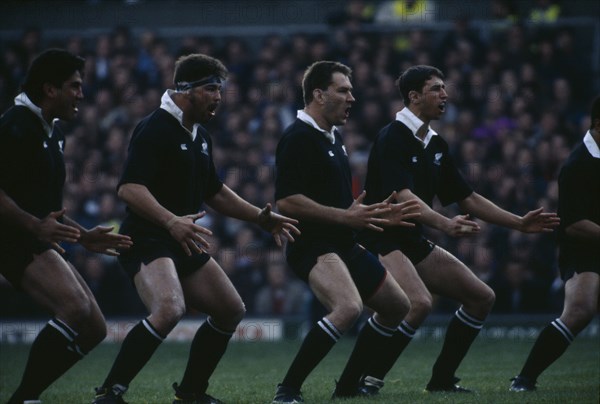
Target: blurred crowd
519,96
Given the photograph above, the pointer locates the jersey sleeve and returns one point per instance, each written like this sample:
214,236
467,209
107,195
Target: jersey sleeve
143,159
214,182
293,163
393,169
453,187
574,199
14,147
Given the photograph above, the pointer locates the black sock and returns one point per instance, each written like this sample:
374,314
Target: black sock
207,348
380,367
136,350
552,342
317,343
462,331
53,352
371,342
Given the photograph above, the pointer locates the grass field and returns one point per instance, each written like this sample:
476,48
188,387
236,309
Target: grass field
249,372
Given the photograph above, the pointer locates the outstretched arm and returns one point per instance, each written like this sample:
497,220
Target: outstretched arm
401,212
100,239
356,216
457,226
535,221
228,203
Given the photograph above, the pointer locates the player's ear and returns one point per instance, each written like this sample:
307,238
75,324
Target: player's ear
319,95
413,96
49,90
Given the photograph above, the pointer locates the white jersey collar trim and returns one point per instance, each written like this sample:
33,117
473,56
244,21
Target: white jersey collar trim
167,103
591,145
412,122
23,100
303,116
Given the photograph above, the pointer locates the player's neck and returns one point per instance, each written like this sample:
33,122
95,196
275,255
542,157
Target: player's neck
596,136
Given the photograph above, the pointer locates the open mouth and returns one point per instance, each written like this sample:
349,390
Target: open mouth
212,108
347,112
442,107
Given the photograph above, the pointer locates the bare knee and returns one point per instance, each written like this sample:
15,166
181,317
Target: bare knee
345,314
578,317
167,314
488,299
77,311
481,303
420,308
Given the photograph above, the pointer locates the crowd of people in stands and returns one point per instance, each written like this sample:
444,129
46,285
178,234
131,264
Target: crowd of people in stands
518,103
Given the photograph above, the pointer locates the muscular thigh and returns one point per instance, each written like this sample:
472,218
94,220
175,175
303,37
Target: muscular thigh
445,275
52,283
157,283
210,291
405,273
331,282
581,292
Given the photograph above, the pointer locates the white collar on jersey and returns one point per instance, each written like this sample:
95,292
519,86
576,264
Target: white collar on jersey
408,118
591,145
167,103
303,116
24,101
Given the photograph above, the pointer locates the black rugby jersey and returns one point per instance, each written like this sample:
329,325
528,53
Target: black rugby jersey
578,199
399,161
309,164
178,171
32,168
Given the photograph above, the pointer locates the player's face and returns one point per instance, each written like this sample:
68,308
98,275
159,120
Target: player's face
432,99
338,100
205,100
66,98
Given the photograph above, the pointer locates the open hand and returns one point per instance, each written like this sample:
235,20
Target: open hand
100,239
536,221
276,224
187,233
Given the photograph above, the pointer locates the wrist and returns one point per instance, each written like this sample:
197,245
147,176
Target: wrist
169,223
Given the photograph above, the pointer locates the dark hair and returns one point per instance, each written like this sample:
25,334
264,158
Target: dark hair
414,78
320,75
595,113
196,66
53,66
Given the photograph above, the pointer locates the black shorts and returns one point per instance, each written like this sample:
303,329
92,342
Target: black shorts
365,269
416,247
15,256
146,250
568,268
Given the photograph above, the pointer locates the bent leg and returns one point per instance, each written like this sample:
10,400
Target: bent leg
209,290
581,300
404,272
391,305
159,289
57,287
443,274
332,284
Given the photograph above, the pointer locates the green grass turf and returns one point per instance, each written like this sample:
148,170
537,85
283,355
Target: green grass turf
249,372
